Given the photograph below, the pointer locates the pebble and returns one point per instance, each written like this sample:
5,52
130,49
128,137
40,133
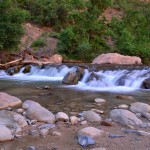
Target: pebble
100,100
34,132
20,110
123,106
115,135
73,120
56,133
98,111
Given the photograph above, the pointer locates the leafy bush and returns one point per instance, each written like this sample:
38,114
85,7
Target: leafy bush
38,43
132,32
11,20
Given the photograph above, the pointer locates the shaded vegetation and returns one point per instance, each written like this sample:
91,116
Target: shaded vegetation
80,26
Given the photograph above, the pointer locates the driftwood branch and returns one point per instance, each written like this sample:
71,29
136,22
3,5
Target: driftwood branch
11,64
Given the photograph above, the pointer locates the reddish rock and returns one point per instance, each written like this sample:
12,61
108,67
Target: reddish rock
56,59
115,58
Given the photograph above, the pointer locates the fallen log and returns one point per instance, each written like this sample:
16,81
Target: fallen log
11,64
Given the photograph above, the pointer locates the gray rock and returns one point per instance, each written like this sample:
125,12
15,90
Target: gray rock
5,134
125,117
10,118
142,108
8,100
85,140
90,131
91,116
35,111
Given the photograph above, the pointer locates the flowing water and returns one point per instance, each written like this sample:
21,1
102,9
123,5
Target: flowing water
96,83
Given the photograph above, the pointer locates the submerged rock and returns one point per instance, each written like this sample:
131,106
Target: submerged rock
146,84
85,140
92,116
27,69
7,100
90,131
141,108
72,78
5,134
125,117
35,111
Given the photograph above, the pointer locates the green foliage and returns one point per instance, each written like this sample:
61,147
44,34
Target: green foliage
38,43
11,20
83,38
132,32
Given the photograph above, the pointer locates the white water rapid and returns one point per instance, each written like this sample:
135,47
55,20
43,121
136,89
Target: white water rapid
114,80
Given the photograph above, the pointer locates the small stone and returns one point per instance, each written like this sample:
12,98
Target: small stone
73,120
34,132
9,108
100,100
83,122
90,131
125,97
123,106
44,132
20,110
61,116
98,111
46,87
56,133
145,125
139,115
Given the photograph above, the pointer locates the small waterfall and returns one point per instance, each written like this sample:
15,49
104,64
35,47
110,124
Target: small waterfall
40,74
116,80
105,79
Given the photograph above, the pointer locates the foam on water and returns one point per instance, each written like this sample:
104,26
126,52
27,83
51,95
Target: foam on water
103,80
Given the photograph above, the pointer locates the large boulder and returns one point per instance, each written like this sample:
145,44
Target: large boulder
10,118
115,58
146,84
72,78
125,117
90,131
35,111
5,134
142,108
8,101
92,116
56,59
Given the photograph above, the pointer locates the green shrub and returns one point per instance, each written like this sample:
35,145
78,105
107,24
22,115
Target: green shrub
38,43
11,19
132,32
